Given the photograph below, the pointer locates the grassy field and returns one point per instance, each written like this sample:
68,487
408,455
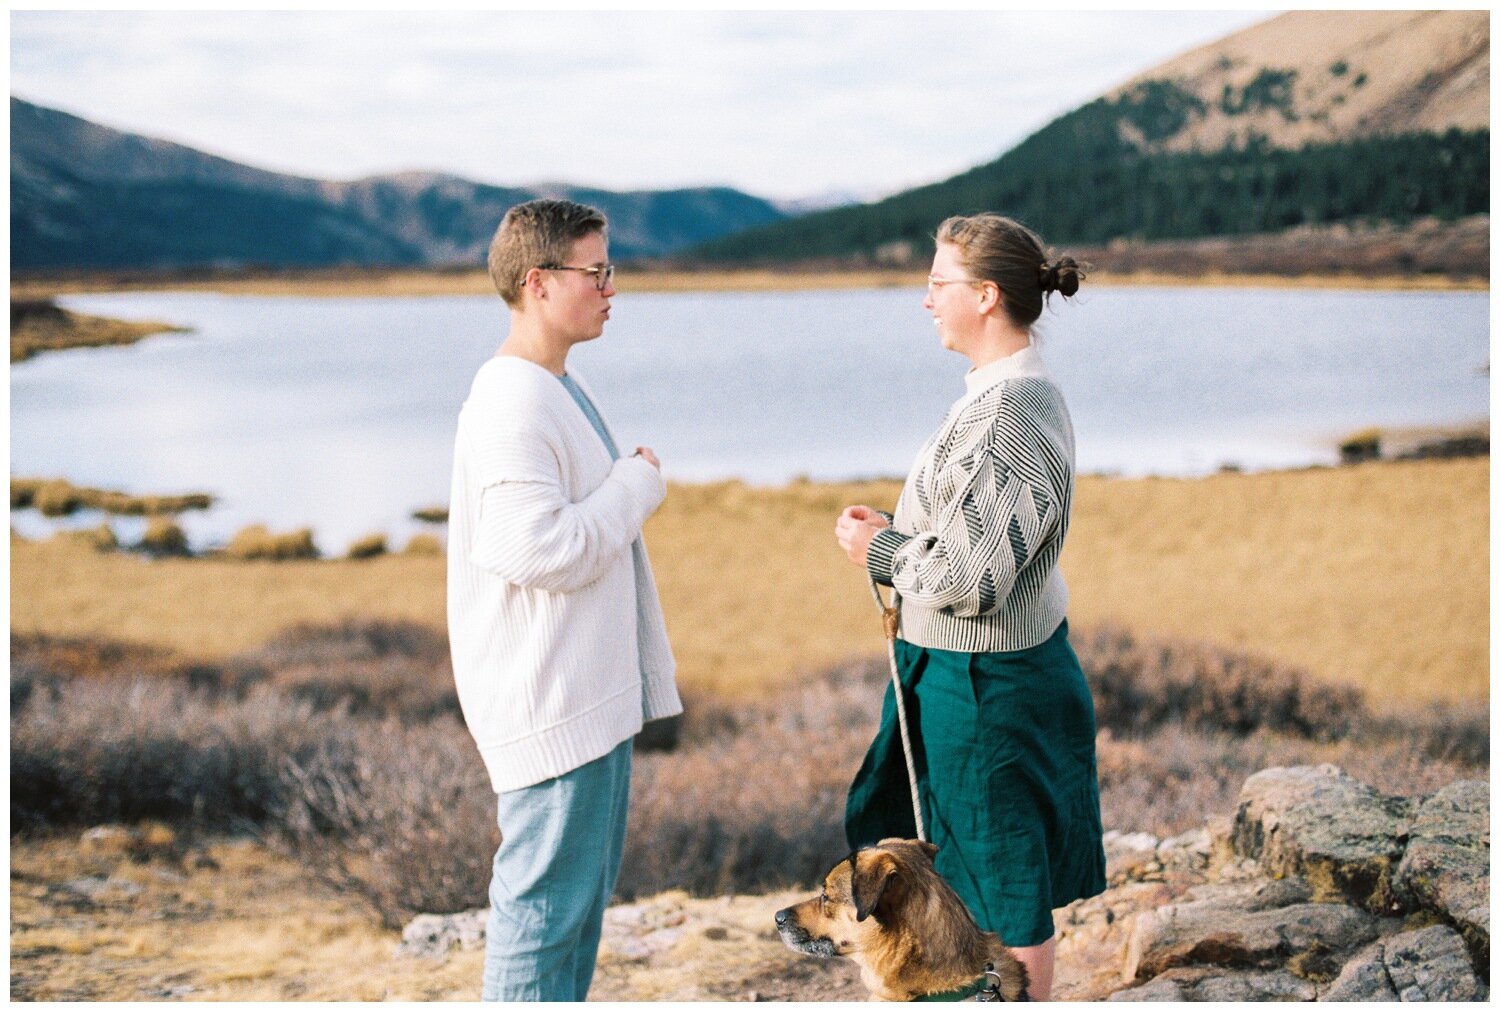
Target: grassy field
1374,576
316,786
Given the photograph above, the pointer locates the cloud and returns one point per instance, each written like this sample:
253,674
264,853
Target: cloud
782,104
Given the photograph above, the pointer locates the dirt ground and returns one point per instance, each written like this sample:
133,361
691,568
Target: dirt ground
132,914
230,920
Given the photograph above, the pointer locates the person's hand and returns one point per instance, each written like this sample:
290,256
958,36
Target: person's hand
855,527
864,513
644,452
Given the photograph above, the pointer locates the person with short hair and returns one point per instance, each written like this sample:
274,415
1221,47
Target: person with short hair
560,650
1001,720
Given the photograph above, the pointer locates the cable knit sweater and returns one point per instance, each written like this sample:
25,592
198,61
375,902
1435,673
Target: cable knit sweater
559,647
972,548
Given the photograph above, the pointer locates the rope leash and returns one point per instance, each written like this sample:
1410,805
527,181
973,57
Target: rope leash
891,616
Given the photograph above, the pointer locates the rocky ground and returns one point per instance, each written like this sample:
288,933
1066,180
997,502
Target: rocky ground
1316,888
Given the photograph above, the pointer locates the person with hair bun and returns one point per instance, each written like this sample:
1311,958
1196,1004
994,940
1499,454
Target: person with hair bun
1000,717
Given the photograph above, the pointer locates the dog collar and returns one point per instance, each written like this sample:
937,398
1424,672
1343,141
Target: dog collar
986,988
959,994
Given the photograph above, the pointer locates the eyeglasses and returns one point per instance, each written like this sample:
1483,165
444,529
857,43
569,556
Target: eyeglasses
602,275
933,281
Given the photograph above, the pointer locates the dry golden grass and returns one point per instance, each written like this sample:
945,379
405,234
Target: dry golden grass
1224,279
1374,576
209,607
252,926
344,283
59,497
38,327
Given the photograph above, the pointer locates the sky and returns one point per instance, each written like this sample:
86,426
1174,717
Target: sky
784,105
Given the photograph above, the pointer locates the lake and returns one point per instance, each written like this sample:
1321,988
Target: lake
338,413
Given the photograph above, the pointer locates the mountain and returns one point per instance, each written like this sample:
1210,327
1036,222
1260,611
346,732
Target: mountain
1322,76
87,196
1309,118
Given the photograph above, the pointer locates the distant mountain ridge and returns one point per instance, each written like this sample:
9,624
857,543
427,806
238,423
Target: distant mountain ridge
1309,118
84,195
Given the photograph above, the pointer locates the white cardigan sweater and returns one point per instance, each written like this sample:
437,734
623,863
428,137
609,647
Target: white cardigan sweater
559,647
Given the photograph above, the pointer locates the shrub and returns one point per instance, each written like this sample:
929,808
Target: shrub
368,547
257,542
1361,446
101,538
62,497
431,514
75,657
123,750
1139,686
23,491
353,640
424,544
56,498
253,542
163,537
402,817
368,668
391,802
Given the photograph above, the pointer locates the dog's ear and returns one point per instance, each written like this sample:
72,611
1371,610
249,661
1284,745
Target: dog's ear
873,875
930,849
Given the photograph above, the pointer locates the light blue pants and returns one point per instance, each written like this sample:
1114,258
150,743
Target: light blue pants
560,848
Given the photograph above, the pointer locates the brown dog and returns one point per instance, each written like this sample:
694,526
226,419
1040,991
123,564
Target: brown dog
887,908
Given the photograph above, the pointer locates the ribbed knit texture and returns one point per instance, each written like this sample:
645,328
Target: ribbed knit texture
559,646
973,545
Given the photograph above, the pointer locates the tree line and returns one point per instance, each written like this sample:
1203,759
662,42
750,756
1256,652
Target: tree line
1079,181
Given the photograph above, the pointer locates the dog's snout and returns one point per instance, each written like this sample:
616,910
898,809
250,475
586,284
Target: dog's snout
782,916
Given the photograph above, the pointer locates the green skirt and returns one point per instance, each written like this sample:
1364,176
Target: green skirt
1004,750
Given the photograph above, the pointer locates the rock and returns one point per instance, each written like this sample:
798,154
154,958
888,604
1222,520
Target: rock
1226,934
1431,965
1343,837
1216,984
1363,978
102,890
107,840
1174,985
1160,989
149,840
1190,852
1128,856
641,930
1264,985
1446,864
433,936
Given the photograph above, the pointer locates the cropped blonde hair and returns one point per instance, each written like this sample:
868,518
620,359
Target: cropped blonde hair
536,234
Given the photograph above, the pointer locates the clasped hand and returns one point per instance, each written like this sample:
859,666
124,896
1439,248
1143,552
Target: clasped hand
856,526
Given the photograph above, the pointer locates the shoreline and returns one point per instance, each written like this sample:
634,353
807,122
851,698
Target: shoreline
39,326
346,283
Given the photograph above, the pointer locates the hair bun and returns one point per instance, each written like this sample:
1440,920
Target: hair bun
1061,276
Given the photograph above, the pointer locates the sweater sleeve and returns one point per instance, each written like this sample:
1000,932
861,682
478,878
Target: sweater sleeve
987,528
530,533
